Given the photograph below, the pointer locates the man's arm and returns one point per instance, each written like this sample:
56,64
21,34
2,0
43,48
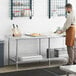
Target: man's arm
67,23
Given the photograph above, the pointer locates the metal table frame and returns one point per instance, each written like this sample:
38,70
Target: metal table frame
17,40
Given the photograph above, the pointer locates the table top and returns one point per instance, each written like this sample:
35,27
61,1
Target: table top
35,37
69,68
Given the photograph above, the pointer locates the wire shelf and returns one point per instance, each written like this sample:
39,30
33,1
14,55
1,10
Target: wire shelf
22,8
57,7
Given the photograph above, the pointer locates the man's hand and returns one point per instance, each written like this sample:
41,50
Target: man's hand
60,32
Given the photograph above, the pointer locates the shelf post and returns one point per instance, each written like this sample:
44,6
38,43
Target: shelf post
11,9
66,12
49,8
31,9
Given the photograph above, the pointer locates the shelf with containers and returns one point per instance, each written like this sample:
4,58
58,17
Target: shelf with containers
57,8
22,8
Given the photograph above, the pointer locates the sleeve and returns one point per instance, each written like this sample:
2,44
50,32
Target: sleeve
67,24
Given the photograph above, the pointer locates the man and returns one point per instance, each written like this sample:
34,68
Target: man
69,27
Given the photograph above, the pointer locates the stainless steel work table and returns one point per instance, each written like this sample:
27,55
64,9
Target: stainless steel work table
25,38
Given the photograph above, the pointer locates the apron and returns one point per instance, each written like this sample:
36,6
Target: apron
70,36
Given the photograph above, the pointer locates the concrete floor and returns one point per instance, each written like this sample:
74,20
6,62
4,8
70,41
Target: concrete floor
12,68
69,75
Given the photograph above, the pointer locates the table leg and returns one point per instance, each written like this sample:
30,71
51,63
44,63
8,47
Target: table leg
49,43
39,46
49,48
8,51
17,54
